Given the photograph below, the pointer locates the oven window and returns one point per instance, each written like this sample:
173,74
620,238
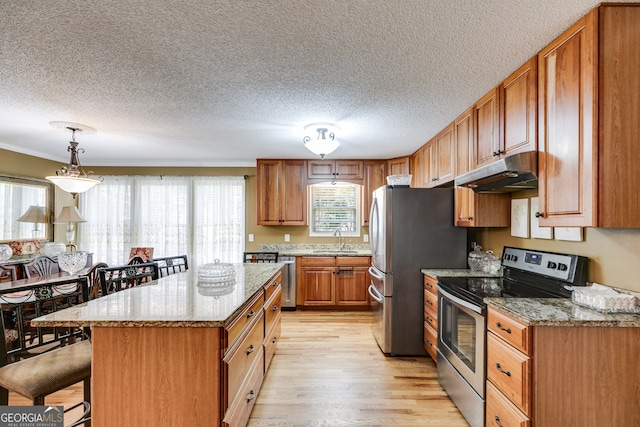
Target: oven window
459,333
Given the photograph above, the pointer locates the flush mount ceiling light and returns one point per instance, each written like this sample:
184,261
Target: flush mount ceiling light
324,142
73,179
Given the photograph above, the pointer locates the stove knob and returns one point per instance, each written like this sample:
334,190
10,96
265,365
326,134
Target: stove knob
551,264
562,267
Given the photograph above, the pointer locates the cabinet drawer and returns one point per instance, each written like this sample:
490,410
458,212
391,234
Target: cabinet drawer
237,362
501,412
431,318
237,326
511,330
272,309
353,261
270,287
430,284
430,341
271,341
431,302
510,371
317,261
240,408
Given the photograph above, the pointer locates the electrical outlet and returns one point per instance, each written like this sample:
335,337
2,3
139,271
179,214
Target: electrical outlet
365,238
287,237
251,237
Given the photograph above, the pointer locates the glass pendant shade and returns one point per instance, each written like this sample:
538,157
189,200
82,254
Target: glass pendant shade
322,147
72,184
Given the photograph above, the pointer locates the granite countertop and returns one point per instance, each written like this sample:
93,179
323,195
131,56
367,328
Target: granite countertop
303,249
455,272
560,312
172,301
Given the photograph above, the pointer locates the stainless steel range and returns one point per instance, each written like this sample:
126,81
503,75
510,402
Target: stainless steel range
462,317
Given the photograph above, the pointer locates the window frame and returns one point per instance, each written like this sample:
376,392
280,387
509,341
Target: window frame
356,219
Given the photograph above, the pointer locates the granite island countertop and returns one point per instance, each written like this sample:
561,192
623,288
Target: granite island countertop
172,301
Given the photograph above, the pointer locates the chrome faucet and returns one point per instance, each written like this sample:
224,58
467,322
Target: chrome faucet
340,239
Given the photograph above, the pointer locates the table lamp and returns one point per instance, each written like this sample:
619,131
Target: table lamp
70,215
36,215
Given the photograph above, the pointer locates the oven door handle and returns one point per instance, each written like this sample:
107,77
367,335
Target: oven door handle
375,294
459,301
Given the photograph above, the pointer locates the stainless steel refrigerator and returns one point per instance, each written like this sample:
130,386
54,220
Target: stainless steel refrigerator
410,229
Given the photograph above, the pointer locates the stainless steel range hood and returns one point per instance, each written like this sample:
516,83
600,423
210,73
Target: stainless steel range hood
516,172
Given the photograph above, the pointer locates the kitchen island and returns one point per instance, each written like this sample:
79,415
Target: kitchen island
175,353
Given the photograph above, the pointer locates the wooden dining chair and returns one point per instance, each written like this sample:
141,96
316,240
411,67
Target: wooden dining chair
115,279
134,260
57,357
7,273
93,278
171,265
41,266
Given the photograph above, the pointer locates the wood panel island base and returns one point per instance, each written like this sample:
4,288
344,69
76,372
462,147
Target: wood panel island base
172,354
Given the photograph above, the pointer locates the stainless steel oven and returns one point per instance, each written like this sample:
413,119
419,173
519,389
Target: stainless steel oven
462,317
461,354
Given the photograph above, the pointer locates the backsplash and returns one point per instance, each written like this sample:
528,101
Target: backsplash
294,247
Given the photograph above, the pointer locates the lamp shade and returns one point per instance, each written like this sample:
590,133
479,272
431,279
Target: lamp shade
35,214
70,214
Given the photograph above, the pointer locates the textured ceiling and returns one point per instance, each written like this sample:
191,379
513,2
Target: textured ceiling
221,83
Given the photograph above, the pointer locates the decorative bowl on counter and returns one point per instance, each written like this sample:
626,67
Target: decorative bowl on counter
216,272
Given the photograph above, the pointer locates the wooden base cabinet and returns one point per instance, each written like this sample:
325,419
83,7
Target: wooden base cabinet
333,282
431,316
544,376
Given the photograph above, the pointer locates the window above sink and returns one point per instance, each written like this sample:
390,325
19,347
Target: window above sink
334,206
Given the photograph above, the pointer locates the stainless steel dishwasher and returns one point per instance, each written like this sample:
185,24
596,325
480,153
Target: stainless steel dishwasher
288,282
288,300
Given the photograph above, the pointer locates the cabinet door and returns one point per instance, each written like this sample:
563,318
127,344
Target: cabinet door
444,163
318,286
293,193
428,166
374,176
417,169
352,286
463,131
399,166
487,135
519,101
481,210
325,169
567,142
463,203
268,176
349,169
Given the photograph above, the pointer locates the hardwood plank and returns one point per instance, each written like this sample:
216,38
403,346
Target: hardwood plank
329,371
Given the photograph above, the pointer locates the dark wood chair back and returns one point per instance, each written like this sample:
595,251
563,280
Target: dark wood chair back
41,266
7,273
171,265
134,260
115,279
93,277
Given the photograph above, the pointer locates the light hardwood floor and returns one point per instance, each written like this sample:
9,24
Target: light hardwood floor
329,371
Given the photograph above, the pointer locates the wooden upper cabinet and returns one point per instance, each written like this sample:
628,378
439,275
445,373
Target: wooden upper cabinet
588,126
520,110
481,209
568,143
417,169
282,192
443,157
487,130
399,166
428,158
375,175
335,169
464,136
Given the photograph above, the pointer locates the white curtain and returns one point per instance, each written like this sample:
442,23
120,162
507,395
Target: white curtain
202,217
